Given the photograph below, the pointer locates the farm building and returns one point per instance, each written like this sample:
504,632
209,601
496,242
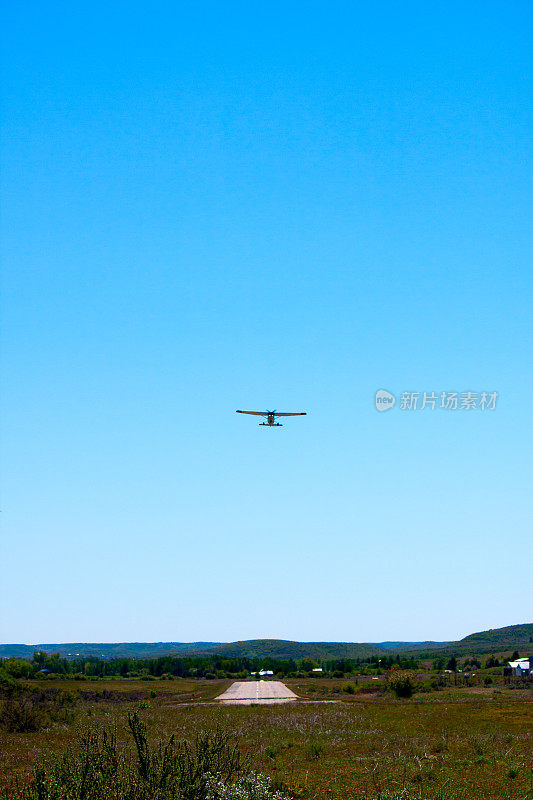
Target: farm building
520,668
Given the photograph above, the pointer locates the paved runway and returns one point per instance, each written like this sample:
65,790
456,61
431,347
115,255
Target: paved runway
247,692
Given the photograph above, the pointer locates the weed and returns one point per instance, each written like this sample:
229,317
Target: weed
100,770
20,715
477,745
314,750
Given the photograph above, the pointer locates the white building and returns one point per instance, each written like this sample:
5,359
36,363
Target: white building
521,667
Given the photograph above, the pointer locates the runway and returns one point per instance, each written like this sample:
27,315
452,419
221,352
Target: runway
263,692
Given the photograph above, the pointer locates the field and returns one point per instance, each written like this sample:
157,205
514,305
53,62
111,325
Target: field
459,743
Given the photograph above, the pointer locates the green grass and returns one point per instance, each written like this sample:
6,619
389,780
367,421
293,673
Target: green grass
459,744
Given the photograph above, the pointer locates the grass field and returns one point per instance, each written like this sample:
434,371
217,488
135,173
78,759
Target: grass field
466,743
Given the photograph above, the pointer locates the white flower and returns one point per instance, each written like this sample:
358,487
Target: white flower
251,787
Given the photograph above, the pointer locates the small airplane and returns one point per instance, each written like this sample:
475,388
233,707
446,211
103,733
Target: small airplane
270,416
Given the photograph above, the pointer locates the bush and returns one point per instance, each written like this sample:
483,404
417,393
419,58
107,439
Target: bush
402,683
20,714
102,770
18,667
7,681
66,698
349,688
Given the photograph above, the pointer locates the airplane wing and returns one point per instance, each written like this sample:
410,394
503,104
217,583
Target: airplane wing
255,413
290,413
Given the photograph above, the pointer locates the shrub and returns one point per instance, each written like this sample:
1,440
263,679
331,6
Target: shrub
18,667
20,714
66,698
102,770
7,681
402,683
349,688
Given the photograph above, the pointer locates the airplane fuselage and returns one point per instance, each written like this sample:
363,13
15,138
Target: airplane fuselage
271,421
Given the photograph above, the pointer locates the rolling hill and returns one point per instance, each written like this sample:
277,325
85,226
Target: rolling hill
109,650
280,648
512,637
497,640
509,638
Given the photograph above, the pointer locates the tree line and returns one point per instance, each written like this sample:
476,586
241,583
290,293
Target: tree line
210,666
216,666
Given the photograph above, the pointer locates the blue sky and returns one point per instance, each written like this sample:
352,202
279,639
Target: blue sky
218,206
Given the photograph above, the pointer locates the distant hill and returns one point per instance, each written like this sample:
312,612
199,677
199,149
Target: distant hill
497,640
280,648
397,646
109,650
254,648
513,637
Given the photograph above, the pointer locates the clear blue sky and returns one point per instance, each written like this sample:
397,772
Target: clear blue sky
216,206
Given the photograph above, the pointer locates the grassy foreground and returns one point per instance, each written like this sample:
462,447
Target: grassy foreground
453,745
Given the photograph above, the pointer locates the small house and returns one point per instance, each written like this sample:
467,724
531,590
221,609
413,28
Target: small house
520,668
